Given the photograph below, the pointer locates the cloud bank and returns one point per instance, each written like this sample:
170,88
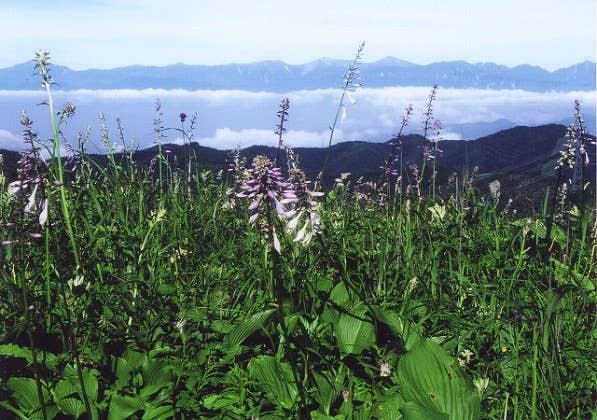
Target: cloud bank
230,117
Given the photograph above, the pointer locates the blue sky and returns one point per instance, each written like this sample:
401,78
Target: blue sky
110,33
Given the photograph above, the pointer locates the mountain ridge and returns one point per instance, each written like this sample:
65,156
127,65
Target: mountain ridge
278,76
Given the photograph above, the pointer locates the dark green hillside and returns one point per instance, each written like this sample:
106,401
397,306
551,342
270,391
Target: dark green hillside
521,158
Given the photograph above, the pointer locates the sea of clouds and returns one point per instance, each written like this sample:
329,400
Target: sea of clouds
226,118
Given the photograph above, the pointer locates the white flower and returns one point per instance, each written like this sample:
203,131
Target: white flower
384,369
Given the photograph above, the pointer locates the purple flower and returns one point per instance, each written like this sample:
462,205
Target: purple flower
305,212
266,188
183,117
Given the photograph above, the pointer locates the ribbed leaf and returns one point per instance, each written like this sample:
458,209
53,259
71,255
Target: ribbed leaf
72,376
413,411
242,331
388,407
12,350
157,372
122,407
433,385
71,406
65,388
220,401
408,331
91,385
24,392
339,295
158,413
276,379
123,373
328,387
354,332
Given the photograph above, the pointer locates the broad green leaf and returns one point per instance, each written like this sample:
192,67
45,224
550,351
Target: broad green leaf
388,407
123,372
413,411
407,330
432,382
71,406
24,393
339,295
195,314
135,358
158,413
157,372
328,387
122,407
91,384
318,415
222,326
354,332
219,401
65,388
12,350
276,379
241,332
323,284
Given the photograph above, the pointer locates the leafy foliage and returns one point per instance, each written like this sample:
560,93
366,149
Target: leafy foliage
159,299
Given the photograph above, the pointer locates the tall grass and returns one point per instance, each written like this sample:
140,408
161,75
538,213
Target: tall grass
174,296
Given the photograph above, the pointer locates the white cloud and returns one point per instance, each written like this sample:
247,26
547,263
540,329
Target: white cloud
10,141
226,138
447,135
228,117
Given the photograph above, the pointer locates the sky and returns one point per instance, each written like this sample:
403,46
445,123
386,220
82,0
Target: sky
111,33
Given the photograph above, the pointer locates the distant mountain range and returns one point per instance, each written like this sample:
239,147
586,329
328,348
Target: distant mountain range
277,76
521,158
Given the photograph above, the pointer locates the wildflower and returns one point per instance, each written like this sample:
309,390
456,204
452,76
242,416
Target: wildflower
567,157
237,168
68,111
464,358
384,369
412,284
305,207
42,63
29,187
341,181
345,395
416,185
351,83
352,78
494,188
414,168
389,168
429,111
178,254
183,117
282,117
481,384
180,324
266,188
504,349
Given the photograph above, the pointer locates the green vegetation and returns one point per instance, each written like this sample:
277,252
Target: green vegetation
147,293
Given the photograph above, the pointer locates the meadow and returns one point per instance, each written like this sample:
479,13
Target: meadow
171,291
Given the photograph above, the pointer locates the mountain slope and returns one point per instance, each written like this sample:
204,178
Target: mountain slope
521,158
